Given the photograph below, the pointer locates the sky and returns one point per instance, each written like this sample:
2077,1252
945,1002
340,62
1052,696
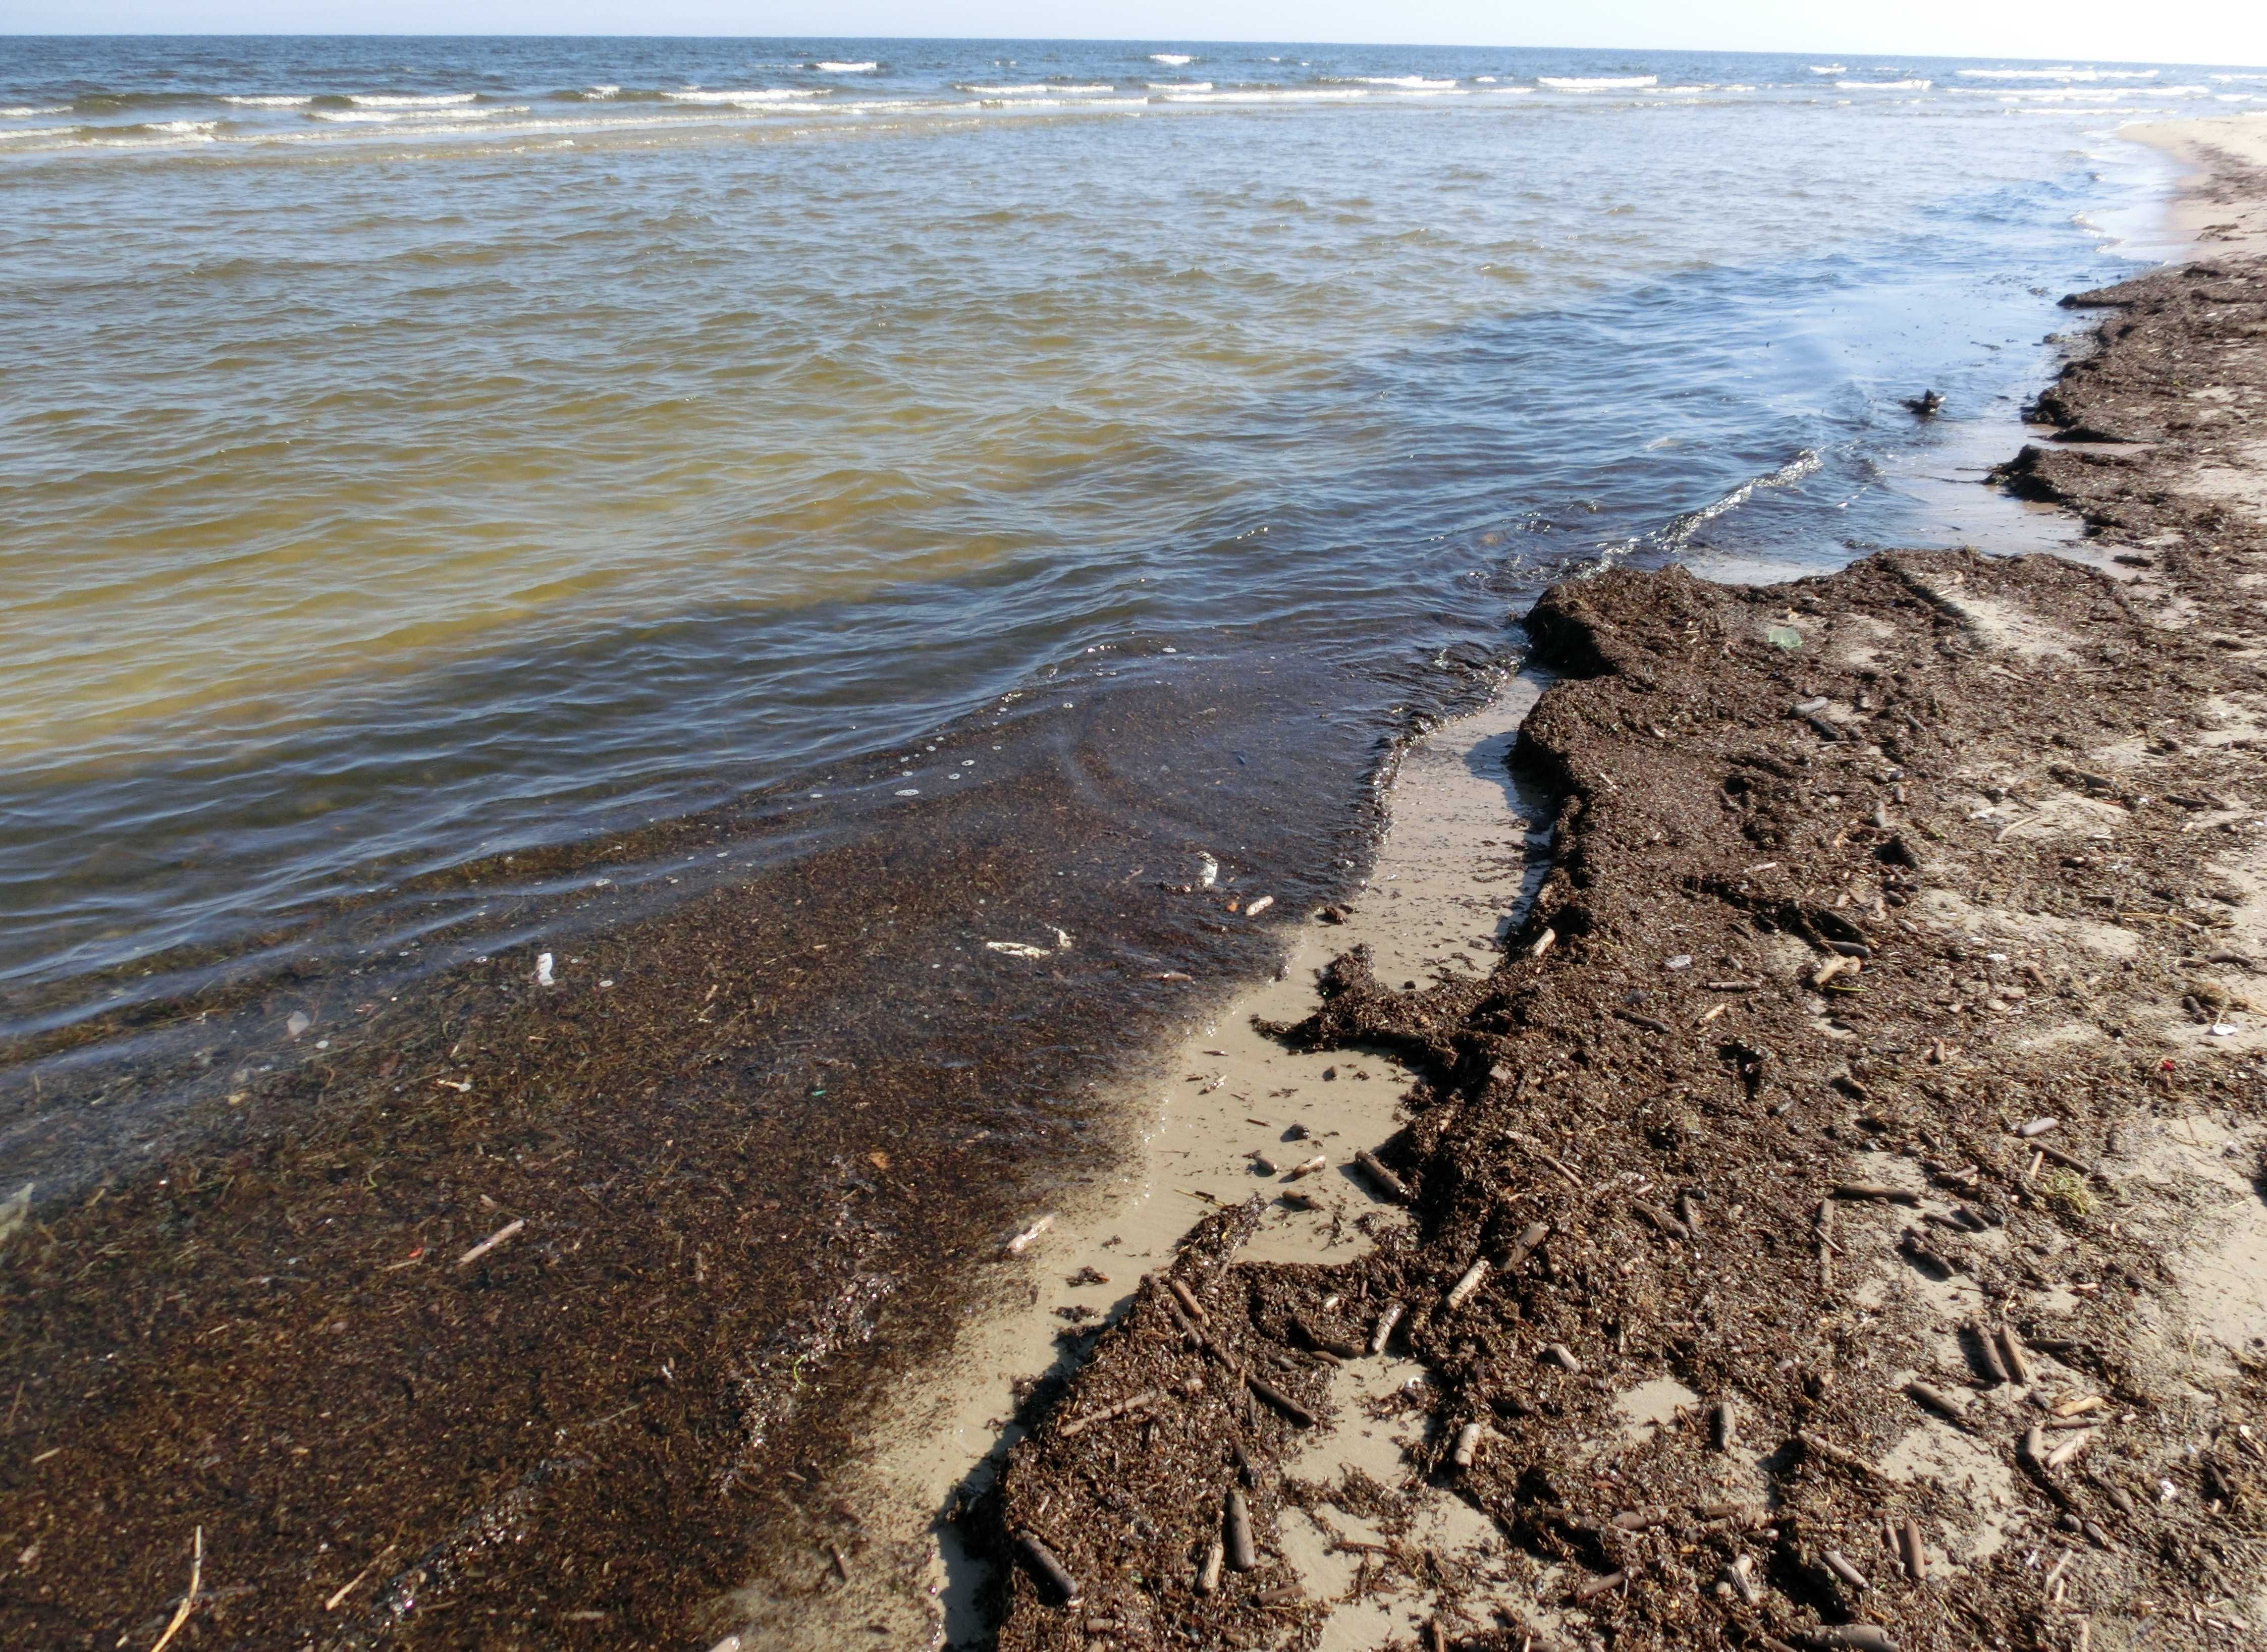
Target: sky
2229,32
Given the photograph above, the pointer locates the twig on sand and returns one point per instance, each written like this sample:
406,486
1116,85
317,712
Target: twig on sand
348,1588
189,1600
504,1235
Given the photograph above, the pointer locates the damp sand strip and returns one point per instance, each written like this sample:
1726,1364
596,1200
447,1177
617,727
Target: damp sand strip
1238,1116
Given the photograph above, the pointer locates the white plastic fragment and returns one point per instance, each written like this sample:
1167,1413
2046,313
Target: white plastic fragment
297,1023
1016,948
1016,1246
543,969
1259,906
1208,871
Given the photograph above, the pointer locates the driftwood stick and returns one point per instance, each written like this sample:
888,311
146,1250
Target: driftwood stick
1050,1570
1389,1184
1386,1318
1242,1555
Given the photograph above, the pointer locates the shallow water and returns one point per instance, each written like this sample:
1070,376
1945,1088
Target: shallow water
429,448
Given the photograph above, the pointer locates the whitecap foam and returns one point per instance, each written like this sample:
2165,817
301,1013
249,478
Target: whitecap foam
30,111
1178,85
390,117
391,100
1484,80
603,91
269,100
748,97
1037,91
1172,59
1405,82
23,133
2256,76
1682,527
1596,83
1313,94
2062,72
1830,68
846,69
1883,85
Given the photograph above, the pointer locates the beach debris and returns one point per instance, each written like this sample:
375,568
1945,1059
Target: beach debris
1682,960
1133,1404
1468,1445
1784,637
1016,948
1741,1572
1258,906
1834,967
1939,1402
462,1086
1320,1161
2068,1451
1839,1563
1382,1333
1389,1184
1209,1574
1598,1586
1208,871
1461,1292
1860,1190
1062,940
1848,1637
2036,1127
338,1597
1559,1354
543,970
1050,1571
297,1022
1187,1299
188,1601
504,1235
2011,1351
1843,1454
1541,943
1723,1425
1987,1347
1282,1401
1911,1552
1017,1246
14,1209
1925,406
1242,1556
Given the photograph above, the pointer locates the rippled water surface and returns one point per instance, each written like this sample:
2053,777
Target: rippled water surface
417,449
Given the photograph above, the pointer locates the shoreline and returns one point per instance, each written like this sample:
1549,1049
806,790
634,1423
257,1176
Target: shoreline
203,1268
1887,1008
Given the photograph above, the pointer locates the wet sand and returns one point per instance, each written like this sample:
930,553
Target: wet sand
1838,1219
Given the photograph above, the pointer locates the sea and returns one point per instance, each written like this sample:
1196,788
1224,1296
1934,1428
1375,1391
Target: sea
418,449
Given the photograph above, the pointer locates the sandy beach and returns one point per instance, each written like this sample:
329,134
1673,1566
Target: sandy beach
1836,1222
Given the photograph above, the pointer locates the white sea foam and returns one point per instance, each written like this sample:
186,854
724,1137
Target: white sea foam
1176,59
390,117
1313,94
1596,83
1407,83
32,111
25,134
273,100
748,97
846,69
1484,80
1032,90
2064,72
1830,68
1178,85
604,91
1883,85
2257,76
1682,527
391,100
